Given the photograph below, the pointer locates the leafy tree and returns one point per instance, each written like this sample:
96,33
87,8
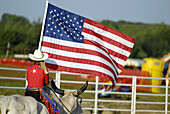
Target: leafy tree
19,32
152,40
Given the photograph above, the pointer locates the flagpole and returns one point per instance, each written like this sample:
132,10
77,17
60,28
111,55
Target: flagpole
42,29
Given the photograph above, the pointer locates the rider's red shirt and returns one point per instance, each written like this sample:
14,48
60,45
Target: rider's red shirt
36,77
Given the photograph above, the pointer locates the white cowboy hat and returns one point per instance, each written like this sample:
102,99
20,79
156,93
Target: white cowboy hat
38,56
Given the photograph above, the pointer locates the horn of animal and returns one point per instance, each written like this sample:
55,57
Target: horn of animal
75,93
55,88
81,90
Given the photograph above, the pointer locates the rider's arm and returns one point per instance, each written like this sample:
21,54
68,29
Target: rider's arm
46,78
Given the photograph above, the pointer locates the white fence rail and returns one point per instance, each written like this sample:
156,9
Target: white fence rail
133,109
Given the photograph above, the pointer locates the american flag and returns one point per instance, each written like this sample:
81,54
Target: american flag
79,45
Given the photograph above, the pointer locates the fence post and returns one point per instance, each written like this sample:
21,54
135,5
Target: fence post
166,96
7,51
133,97
58,73
26,82
96,95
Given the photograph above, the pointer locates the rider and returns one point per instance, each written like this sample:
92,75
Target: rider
37,75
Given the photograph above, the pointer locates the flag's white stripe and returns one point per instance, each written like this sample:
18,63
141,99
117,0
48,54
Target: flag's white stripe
118,60
107,45
119,71
109,35
80,66
77,55
77,45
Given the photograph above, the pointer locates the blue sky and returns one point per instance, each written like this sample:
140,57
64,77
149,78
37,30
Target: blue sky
145,11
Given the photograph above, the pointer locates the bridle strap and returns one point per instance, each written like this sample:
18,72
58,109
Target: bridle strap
64,105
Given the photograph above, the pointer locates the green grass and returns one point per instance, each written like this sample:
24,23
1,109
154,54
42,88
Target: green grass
15,83
11,91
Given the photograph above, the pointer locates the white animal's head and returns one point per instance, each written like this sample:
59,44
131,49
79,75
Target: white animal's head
70,101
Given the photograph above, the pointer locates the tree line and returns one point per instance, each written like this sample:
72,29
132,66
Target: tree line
152,40
20,33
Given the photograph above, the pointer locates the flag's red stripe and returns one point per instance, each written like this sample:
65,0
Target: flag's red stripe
106,39
81,71
82,61
113,53
98,25
119,66
77,50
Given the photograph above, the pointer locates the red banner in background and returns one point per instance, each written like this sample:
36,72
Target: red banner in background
16,62
139,73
